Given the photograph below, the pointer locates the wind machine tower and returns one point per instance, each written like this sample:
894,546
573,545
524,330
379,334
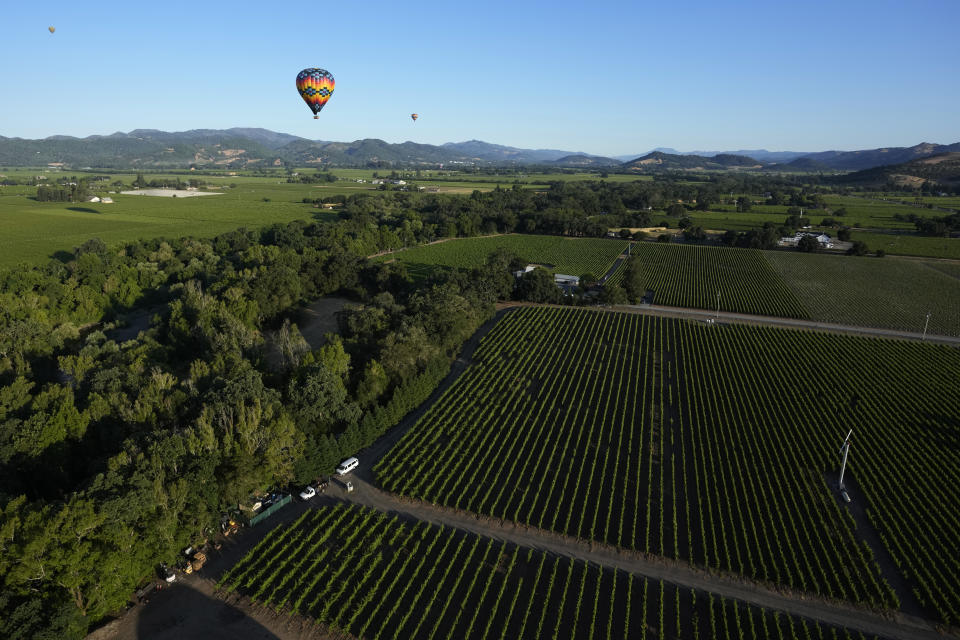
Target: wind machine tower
844,451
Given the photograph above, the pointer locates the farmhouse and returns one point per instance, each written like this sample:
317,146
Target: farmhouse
526,269
791,241
565,281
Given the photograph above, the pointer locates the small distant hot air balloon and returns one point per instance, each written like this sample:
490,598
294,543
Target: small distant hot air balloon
51,29
414,116
315,87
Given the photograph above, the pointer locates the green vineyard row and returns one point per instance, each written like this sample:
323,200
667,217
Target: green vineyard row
370,575
712,444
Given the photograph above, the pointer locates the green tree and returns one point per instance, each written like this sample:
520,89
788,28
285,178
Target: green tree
613,294
808,244
859,248
372,384
538,286
319,402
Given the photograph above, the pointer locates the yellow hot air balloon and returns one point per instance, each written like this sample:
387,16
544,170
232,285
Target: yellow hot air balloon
51,29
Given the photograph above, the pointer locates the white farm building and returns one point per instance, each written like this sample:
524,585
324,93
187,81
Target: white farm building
791,241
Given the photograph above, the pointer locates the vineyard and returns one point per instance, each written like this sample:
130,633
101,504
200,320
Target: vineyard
372,576
711,444
891,293
887,294
572,256
691,276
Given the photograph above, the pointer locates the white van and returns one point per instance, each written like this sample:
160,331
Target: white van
347,466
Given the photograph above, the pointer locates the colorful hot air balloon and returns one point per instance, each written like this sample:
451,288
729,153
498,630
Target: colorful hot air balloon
315,87
52,29
414,116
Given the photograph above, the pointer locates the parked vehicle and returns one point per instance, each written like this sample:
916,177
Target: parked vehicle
347,466
308,493
167,573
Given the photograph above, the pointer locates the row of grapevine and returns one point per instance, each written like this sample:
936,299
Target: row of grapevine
891,294
692,275
706,443
357,571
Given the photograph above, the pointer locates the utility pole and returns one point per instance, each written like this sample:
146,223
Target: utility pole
925,325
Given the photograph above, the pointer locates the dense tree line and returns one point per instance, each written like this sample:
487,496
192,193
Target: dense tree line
115,454
943,226
70,192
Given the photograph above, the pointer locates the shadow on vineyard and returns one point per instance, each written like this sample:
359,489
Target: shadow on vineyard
185,612
867,533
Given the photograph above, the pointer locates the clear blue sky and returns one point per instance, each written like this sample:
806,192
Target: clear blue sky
602,77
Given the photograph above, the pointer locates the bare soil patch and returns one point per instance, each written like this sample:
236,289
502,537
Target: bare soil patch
169,193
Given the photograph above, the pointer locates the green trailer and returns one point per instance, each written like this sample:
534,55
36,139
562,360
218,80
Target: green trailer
269,511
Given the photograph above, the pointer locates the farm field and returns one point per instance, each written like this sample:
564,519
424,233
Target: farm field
910,244
888,293
572,256
691,276
948,202
861,212
364,573
874,213
712,444
32,231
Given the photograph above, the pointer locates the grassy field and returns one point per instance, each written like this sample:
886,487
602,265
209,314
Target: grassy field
713,444
888,293
369,575
572,256
31,231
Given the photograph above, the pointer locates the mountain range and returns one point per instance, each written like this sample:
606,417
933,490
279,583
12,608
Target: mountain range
249,148
942,168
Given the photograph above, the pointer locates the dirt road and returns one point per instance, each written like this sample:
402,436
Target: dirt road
894,626
725,317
